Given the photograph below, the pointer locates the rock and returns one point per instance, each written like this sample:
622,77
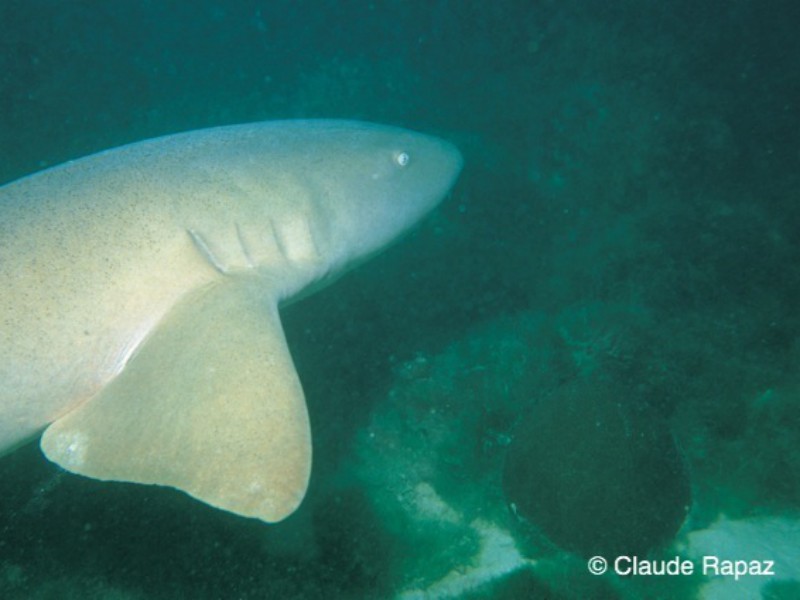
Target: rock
598,471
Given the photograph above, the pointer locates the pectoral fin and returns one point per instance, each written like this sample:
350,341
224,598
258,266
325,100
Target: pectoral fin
210,404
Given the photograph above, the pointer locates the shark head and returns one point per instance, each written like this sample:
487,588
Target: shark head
311,199
306,200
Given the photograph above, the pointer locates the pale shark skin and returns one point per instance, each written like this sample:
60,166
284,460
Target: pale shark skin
139,294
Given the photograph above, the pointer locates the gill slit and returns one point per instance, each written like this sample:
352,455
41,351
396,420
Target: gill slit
205,251
243,245
278,240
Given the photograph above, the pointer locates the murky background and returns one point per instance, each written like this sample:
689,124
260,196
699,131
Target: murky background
592,348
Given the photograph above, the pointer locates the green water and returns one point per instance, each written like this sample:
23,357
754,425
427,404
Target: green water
627,220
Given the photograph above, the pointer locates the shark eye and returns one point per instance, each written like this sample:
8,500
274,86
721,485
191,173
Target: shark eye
402,158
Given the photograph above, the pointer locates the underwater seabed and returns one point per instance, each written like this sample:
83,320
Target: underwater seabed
431,462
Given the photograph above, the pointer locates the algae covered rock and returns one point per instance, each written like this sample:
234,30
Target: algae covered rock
597,471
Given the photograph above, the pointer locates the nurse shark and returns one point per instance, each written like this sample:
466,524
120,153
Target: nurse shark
140,290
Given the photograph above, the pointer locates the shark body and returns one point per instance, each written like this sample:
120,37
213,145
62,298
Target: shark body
139,295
